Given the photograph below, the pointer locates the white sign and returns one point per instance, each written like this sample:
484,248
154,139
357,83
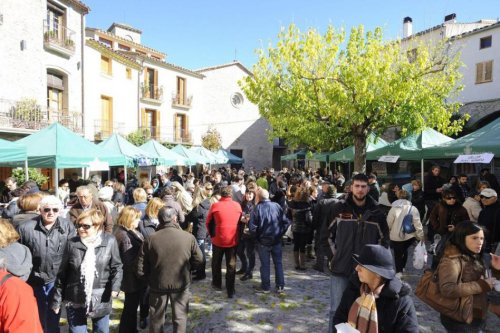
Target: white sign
484,158
97,165
389,158
345,328
379,168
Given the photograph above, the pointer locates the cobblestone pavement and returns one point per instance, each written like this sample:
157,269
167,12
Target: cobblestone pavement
303,308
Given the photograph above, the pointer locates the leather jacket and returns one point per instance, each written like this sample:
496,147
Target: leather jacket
108,268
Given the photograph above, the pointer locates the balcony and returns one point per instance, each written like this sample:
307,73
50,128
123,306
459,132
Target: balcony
151,94
164,134
181,101
58,39
104,128
27,117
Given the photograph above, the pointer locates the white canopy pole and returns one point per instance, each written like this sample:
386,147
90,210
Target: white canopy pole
56,178
422,173
125,174
26,174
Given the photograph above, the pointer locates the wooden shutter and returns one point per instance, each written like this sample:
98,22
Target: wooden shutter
143,124
155,82
488,70
157,124
479,72
186,128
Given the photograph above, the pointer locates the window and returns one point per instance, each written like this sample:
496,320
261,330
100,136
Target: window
150,86
485,42
55,94
128,73
151,122
237,100
106,42
107,116
181,128
181,91
412,55
484,72
123,47
55,20
106,65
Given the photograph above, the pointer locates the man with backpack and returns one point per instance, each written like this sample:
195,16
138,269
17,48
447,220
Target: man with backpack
354,222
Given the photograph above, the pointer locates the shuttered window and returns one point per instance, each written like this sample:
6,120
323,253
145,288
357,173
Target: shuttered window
484,72
106,67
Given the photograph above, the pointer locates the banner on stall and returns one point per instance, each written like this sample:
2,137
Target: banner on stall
389,158
483,158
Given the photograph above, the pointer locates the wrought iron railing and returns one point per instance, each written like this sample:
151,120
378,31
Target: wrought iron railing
26,114
55,34
104,128
152,92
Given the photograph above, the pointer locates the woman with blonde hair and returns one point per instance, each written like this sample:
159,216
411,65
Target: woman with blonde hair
149,223
89,275
129,243
140,200
17,256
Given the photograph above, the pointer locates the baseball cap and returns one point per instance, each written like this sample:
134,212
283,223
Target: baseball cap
488,193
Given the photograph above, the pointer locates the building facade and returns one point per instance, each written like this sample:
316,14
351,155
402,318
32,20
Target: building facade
42,43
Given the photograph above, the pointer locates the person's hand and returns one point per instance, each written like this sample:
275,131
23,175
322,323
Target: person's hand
490,281
56,310
451,227
495,261
115,293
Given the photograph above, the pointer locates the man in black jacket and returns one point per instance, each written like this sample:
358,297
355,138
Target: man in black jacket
322,216
355,222
490,218
46,237
165,261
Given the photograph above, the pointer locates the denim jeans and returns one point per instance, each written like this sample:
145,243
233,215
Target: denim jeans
338,283
250,244
77,321
48,319
265,254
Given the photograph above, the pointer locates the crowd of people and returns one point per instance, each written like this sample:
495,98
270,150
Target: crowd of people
149,239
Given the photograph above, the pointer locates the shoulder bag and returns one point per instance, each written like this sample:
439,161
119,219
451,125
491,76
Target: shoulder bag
427,290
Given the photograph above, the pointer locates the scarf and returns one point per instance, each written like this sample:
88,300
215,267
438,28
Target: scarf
363,312
88,271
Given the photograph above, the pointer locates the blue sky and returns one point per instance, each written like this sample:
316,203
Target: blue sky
203,33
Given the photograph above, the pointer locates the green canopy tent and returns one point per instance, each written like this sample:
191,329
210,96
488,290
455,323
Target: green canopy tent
135,156
210,156
483,140
58,147
13,152
347,154
191,157
321,157
300,155
410,148
164,155
229,158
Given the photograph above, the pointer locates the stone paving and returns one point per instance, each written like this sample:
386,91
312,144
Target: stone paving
303,308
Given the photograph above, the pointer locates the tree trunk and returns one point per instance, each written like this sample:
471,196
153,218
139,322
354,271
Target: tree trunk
360,152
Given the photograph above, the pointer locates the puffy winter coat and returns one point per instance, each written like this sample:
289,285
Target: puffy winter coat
400,208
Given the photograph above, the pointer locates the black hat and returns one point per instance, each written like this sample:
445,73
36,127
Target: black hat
377,259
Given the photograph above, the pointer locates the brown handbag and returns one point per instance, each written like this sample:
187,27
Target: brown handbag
427,290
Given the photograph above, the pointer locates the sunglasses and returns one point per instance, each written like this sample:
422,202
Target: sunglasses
84,226
483,197
451,198
54,210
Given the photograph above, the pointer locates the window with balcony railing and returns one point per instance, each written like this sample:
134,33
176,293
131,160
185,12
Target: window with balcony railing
56,35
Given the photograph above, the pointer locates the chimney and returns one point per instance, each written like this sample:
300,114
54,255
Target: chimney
407,27
450,18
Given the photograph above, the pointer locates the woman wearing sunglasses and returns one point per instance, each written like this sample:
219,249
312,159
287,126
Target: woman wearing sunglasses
90,273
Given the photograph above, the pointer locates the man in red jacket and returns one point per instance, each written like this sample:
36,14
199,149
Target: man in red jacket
18,308
226,214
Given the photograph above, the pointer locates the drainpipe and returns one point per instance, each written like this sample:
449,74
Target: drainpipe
82,67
